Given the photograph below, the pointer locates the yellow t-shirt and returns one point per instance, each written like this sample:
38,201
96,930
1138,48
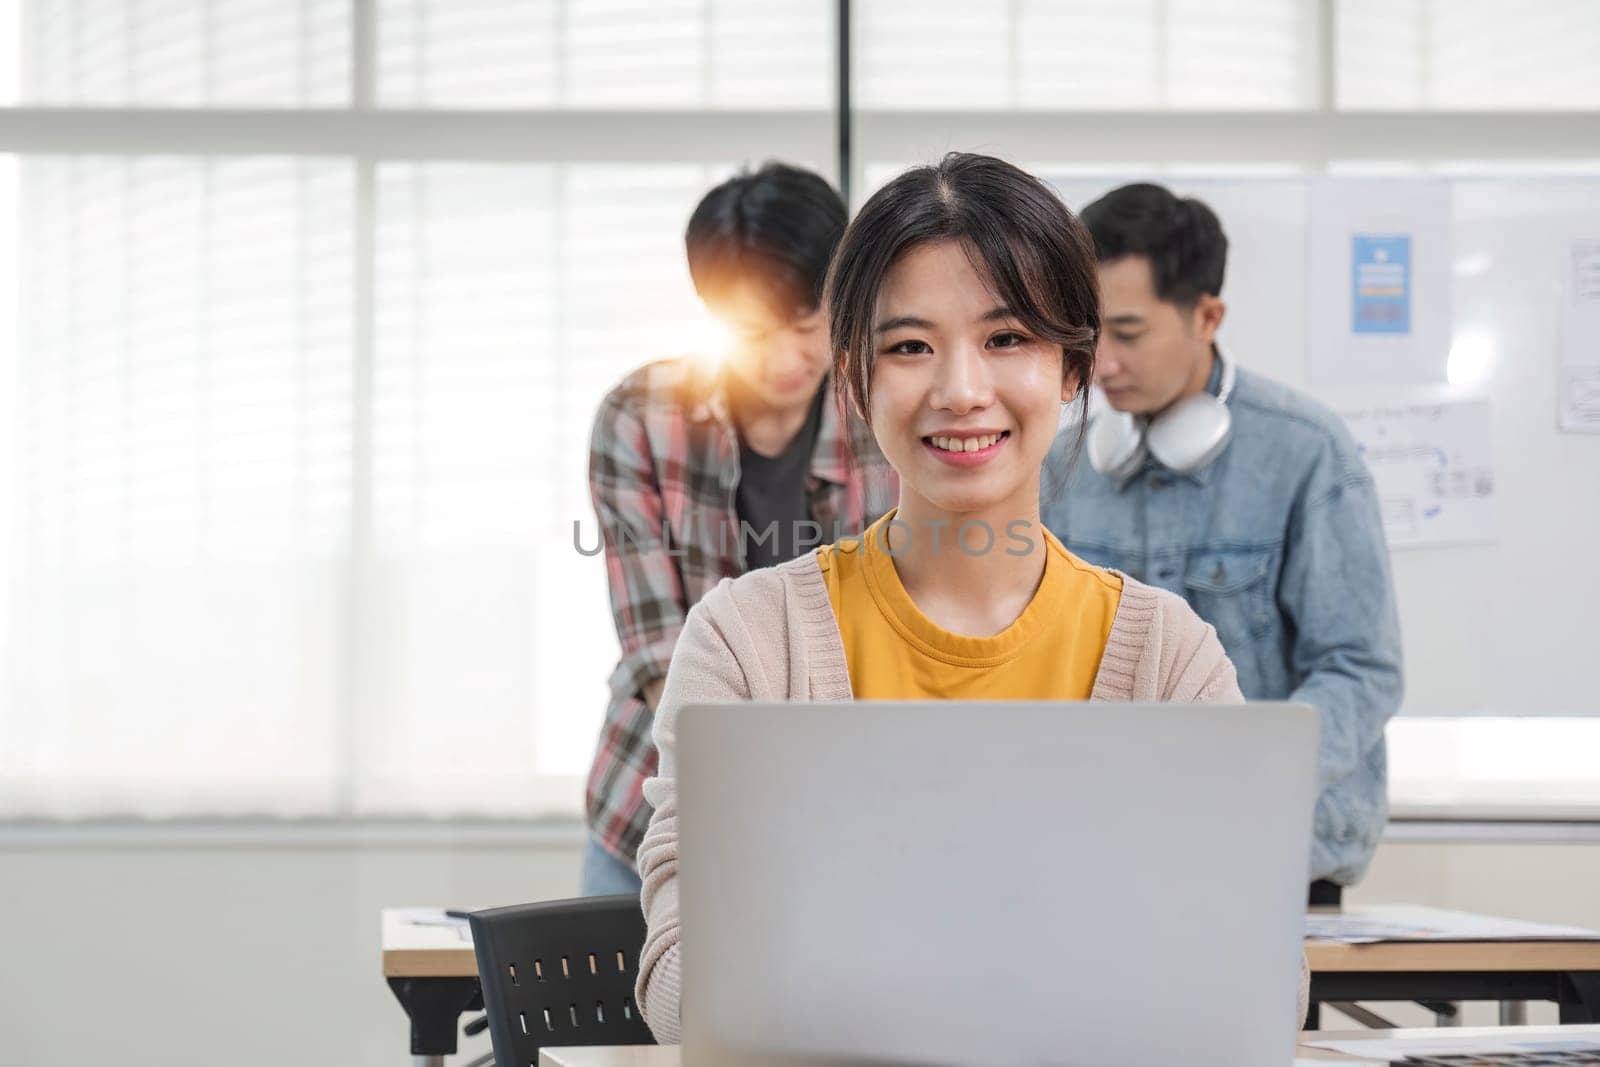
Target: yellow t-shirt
895,652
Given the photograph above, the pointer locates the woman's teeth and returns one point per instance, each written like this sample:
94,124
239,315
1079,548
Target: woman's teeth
965,444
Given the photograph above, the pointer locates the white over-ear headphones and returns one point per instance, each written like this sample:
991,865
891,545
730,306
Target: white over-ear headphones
1183,438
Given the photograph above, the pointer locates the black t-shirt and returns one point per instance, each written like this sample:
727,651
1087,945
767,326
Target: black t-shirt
772,494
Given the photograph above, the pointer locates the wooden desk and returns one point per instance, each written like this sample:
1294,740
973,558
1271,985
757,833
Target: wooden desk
434,974
668,1056
1566,973
416,951
633,1056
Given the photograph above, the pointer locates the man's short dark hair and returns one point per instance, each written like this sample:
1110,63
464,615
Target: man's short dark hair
1182,239
776,228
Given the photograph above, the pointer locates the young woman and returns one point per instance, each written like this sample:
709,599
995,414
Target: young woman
963,314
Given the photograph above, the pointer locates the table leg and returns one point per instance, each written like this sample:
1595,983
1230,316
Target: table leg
1580,997
1370,1019
434,1006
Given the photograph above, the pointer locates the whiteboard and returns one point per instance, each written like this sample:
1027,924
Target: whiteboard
1509,627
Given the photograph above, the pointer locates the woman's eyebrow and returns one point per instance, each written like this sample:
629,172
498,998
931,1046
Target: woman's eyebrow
915,322
900,322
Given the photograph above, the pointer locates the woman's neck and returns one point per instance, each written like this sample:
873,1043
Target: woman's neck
976,584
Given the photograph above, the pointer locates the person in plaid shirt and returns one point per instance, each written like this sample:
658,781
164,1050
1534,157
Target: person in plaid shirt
702,470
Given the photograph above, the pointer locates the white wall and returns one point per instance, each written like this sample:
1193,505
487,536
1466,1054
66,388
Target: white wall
158,952
155,951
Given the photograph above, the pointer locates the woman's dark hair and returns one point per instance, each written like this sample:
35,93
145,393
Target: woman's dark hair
1182,239
1037,255
775,227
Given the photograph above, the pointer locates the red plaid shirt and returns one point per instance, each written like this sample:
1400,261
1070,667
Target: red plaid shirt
663,473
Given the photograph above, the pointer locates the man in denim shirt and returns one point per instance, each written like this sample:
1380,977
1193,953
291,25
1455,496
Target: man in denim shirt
1275,539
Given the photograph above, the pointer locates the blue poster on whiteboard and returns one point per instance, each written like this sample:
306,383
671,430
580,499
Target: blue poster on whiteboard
1380,278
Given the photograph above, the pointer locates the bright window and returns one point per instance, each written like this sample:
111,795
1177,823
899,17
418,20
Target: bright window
1085,54
295,437
298,440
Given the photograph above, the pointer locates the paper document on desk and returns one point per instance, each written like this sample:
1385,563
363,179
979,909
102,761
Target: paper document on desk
1493,1045
434,917
1368,925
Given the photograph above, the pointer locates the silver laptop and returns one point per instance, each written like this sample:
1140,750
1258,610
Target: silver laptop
994,883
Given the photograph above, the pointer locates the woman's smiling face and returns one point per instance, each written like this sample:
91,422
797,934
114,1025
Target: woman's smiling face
964,399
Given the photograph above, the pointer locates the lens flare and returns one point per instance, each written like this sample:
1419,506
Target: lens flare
1471,361
708,338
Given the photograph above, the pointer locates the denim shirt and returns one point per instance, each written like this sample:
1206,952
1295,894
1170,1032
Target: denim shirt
1279,545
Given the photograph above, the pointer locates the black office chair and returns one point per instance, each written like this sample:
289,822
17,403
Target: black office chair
560,973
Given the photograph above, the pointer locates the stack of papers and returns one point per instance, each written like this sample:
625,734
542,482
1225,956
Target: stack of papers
429,917
1364,926
449,929
1505,1044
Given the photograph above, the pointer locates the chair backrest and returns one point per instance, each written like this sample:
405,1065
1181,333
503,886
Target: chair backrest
560,973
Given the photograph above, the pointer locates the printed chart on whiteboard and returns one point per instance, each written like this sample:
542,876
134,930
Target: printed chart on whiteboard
1433,468
1580,342
1378,282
